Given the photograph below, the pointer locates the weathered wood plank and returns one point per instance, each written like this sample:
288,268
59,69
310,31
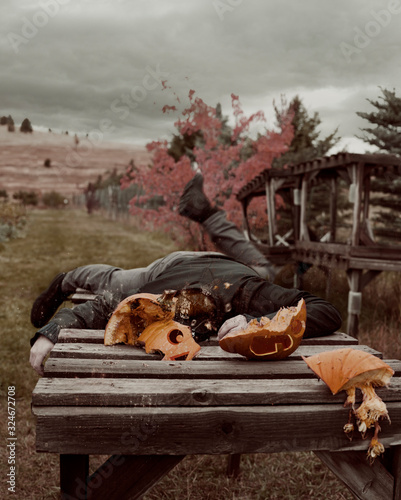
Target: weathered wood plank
209,353
376,252
325,248
366,481
374,264
211,430
70,368
97,337
195,392
337,338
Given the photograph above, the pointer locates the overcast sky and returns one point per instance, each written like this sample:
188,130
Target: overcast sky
85,65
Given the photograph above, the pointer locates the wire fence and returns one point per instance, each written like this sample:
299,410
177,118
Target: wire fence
113,201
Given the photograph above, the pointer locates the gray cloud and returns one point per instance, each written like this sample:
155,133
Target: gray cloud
77,70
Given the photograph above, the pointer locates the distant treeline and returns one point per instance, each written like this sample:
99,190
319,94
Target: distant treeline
8,121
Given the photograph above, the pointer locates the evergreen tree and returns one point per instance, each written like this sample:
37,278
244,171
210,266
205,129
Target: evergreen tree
386,133
306,144
26,126
385,190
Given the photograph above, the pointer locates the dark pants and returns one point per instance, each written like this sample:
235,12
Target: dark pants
99,278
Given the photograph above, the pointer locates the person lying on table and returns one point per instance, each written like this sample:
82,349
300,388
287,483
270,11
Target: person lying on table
239,288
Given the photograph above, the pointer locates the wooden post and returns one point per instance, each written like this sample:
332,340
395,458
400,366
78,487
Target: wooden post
366,197
245,219
396,471
273,189
296,211
270,214
303,228
233,465
333,209
74,470
357,177
129,476
366,482
354,301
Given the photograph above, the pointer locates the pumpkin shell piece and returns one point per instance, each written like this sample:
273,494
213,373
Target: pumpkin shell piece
275,338
173,339
343,369
133,315
348,369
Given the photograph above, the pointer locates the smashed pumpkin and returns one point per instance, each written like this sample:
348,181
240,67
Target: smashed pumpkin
267,338
349,369
133,315
173,339
146,320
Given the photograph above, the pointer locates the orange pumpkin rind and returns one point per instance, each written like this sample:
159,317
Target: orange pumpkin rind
133,315
146,320
173,339
265,339
348,369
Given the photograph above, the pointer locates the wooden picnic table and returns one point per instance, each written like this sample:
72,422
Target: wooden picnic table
148,414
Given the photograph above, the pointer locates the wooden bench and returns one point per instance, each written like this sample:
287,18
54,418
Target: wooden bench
148,414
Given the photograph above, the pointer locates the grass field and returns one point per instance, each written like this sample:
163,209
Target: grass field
61,240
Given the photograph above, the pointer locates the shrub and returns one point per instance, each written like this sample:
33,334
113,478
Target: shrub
47,163
226,157
3,194
12,220
10,124
27,197
53,199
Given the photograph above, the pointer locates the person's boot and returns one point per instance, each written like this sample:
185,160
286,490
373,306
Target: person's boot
48,302
194,203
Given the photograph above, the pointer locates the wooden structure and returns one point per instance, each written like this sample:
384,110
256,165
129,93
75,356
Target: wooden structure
358,253
148,414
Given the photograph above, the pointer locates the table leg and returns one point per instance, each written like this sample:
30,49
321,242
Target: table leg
233,465
74,470
366,481
396,470
129,476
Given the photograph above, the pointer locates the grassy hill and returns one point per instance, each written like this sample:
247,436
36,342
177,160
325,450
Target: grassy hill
22,158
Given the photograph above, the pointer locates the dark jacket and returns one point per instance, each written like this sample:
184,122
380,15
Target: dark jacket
236,288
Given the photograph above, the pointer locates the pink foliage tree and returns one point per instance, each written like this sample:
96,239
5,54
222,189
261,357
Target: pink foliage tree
226,157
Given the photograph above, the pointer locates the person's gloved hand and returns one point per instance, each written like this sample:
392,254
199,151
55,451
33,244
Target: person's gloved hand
39,351
232,325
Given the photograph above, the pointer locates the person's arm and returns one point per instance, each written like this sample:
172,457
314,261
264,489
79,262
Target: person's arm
322,318
265,299
91,314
